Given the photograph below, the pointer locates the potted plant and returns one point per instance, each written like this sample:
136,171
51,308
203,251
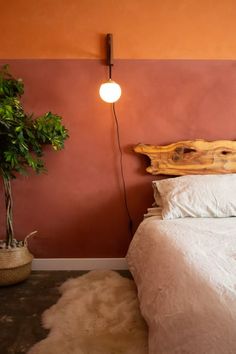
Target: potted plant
22,138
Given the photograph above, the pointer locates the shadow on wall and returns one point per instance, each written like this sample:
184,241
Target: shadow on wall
85,233
68,226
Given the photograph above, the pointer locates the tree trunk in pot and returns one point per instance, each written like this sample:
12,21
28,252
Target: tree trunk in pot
9,217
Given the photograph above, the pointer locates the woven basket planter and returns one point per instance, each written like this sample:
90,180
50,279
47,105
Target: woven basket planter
15,265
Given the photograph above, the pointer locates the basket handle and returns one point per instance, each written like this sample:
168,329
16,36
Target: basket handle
28,236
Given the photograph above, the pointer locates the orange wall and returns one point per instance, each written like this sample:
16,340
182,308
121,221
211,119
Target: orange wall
78,206
148,29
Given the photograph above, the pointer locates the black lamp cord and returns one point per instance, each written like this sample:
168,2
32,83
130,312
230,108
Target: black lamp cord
109,50
122,171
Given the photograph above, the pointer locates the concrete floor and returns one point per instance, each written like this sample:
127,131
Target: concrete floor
22,305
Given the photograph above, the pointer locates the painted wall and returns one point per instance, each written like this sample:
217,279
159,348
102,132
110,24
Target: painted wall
55,46
144,29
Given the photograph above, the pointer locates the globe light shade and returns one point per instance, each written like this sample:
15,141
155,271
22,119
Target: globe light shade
110,91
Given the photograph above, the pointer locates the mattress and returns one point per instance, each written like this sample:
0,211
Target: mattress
185,271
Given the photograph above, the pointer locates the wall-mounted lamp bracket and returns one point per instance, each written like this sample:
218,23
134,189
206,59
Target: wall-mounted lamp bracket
109,91
109,52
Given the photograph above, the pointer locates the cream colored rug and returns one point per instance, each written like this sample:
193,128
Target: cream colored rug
98,313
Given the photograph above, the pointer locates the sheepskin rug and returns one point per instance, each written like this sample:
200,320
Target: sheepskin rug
98,313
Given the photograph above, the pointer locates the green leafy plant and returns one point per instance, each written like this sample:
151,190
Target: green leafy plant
22,139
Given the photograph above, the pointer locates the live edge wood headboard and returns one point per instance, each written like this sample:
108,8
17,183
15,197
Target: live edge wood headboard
191,157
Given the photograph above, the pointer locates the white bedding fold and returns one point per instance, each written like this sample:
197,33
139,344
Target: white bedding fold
185,271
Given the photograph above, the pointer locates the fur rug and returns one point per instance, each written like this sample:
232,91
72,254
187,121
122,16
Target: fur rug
98,313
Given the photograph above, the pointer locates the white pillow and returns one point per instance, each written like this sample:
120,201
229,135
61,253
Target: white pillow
198,196
157,196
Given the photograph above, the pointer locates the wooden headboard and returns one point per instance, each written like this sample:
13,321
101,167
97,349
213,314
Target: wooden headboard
191,157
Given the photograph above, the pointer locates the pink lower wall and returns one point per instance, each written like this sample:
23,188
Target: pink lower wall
78,206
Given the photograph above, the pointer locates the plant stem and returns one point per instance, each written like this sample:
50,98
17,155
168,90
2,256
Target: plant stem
9,205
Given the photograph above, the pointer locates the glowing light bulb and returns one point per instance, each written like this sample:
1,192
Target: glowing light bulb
110,91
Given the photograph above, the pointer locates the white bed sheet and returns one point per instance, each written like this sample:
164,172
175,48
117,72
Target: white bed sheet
185,271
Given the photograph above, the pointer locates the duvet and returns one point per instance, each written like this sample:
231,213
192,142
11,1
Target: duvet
185,271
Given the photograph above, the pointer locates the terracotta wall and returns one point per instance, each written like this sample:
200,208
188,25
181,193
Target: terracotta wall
56,47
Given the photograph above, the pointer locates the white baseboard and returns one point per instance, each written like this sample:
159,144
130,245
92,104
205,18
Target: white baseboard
79,263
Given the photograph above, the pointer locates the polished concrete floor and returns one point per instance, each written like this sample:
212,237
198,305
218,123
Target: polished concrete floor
22,305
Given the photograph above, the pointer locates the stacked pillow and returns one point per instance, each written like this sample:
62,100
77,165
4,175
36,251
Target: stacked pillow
196,196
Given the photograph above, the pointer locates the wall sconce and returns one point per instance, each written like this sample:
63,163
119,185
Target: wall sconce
110,91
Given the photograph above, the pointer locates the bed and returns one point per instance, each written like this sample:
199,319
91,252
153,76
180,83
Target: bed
183,254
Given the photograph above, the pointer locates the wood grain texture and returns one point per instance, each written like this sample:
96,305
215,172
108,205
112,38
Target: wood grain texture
191,157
